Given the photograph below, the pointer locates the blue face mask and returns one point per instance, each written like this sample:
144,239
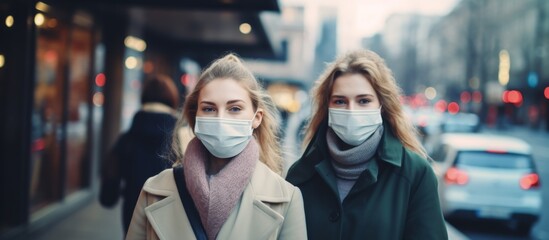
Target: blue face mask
354,126
223,137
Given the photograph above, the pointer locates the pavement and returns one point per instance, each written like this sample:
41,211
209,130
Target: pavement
92,222
97,223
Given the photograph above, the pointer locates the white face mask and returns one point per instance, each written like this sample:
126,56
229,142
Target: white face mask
223,137
354,126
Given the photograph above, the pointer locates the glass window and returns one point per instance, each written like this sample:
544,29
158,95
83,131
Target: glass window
60,162
494,160
47,115
77,159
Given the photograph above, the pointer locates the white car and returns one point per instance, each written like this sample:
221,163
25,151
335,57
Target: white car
488,177
461,122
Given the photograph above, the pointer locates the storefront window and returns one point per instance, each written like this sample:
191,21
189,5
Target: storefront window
60,162
46,76
77,158
47,116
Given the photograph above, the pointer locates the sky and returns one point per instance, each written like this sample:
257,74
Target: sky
371,14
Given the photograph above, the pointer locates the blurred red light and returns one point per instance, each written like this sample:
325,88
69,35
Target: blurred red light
185,79
38,145
51,57
514,97
496,151
465,97
529,181
453,108
440,106
505,96
100,80
477,96
546,92
456,176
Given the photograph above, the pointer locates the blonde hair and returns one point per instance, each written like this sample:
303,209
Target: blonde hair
372,67
231,66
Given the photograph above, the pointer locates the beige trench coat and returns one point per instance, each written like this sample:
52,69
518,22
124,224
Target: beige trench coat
270,208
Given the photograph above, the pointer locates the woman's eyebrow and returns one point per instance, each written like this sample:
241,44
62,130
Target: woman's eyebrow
207,102
365,95
234,101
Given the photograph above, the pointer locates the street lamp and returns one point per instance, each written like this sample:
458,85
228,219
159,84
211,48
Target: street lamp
504,67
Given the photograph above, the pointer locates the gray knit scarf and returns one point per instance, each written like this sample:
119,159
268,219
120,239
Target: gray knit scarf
215,198
348,161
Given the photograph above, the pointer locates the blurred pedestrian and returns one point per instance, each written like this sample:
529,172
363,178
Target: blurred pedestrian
364,174
140,152
227,185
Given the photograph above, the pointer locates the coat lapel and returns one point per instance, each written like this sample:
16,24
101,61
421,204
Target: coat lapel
255,217
326,172
168,219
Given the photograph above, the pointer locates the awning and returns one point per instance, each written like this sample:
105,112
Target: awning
201,29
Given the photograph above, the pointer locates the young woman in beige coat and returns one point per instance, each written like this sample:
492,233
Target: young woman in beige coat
231,169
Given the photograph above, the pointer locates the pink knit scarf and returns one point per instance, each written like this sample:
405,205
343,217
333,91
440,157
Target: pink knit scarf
215,199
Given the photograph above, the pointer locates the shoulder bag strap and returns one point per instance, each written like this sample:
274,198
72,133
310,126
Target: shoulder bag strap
188,204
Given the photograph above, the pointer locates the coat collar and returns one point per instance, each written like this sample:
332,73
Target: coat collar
158,108
252,213
167,219
390,150
253,217
266,189
167,216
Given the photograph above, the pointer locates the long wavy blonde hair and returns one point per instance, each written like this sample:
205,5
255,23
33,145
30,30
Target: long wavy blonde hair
231,66
373,68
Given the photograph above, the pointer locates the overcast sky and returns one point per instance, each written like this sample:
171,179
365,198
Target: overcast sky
371,14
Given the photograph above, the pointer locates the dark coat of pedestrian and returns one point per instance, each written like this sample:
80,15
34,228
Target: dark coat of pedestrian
364,174
141,152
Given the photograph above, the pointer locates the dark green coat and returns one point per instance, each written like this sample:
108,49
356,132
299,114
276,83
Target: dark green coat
397,199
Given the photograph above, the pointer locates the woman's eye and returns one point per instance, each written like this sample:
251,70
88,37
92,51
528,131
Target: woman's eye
234,109
339,102
364,101
208,109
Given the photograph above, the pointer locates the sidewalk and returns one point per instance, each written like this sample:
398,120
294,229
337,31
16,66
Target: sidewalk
90,223
95,222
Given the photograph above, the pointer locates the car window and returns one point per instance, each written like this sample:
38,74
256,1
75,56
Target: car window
494,160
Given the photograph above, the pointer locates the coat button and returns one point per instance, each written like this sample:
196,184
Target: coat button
334,216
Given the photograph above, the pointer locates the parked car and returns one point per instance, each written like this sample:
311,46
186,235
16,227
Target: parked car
461,122
488,177
428,121
429,125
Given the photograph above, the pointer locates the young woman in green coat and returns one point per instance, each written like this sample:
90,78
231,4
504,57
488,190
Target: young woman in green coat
364,174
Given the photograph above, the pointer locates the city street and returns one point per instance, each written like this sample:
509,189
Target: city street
76,77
